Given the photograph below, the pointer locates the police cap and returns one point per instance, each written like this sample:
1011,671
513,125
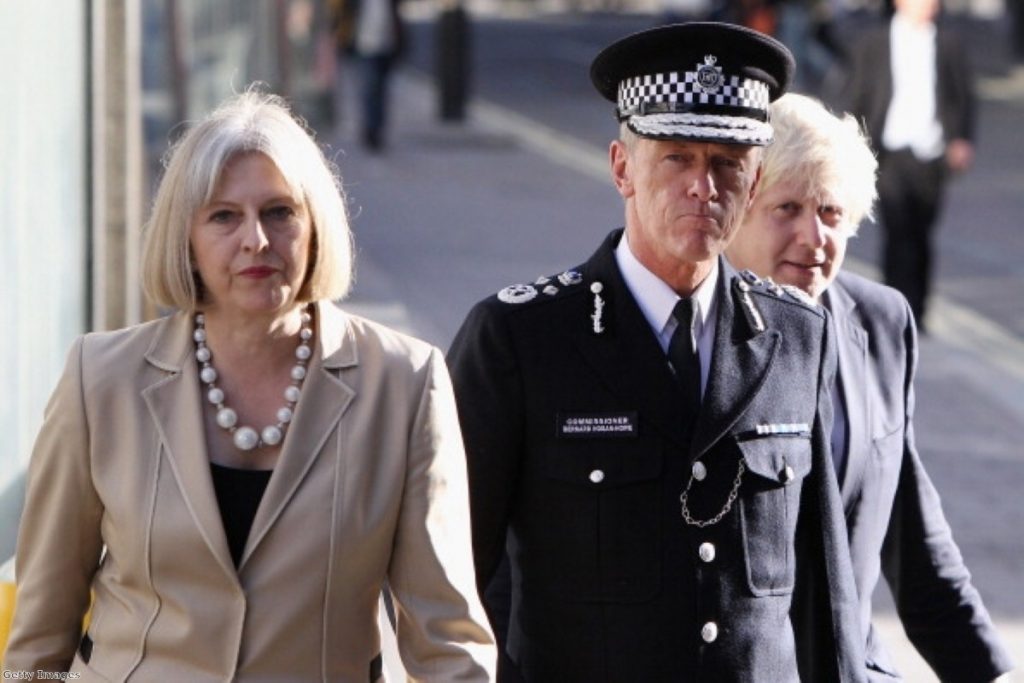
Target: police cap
703,81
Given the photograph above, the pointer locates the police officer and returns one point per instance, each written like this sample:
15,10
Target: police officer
647,433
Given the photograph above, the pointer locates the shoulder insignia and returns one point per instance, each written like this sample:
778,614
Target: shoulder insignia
800,295
551,286
570,277
772,286
517,294
750,277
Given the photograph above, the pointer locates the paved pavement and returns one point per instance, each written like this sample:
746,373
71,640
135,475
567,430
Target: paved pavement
451,213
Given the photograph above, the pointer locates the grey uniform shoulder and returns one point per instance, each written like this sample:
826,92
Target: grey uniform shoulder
756,294
766,288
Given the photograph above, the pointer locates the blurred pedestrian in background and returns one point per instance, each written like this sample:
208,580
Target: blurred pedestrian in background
371,32
647,433
804,26
817,184
912,85
234,483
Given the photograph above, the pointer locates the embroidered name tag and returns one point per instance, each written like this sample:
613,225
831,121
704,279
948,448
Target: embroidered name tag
596,425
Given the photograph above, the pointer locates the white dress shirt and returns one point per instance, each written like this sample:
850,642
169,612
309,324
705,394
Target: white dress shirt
657,300
375,30
912,120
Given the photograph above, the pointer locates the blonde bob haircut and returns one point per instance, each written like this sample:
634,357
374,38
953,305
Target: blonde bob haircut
250,122
830,156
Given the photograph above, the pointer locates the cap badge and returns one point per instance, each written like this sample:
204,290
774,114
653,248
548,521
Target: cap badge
709,76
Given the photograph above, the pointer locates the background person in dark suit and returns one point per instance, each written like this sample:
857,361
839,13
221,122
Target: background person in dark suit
818,183
648,431
911,84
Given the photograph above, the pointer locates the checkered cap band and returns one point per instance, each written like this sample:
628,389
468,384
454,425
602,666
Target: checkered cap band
710,127
685,90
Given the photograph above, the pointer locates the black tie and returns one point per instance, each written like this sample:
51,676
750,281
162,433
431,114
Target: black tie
684,357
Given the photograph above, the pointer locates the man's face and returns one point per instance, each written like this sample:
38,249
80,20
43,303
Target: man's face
918,11
684,200
793,238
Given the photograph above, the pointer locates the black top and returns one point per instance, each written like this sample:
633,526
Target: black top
238,495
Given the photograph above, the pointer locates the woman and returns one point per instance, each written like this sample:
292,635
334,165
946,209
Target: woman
817,184
235,483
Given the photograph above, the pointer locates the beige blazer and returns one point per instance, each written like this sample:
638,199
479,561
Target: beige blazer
370,485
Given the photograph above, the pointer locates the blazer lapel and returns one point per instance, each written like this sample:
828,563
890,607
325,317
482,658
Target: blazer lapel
740,363
627,356
852,343
175,403
324,399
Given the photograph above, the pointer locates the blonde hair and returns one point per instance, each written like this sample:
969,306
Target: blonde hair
249,122
830,156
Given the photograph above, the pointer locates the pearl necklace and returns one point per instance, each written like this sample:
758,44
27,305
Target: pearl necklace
246,438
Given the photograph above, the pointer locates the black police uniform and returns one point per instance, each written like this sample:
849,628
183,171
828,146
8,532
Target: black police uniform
577,451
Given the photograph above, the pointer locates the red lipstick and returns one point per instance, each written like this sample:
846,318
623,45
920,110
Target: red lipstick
257,272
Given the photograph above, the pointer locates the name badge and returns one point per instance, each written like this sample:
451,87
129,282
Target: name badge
596,425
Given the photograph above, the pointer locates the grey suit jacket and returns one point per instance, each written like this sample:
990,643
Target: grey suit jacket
894,518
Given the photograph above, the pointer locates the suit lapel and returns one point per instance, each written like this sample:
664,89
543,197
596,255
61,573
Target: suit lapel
324,399
740,363
632,364
852,343
174,402
627,356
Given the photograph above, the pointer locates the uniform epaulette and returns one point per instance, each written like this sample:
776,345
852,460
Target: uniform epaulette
748,283
767,286
800,295
544,288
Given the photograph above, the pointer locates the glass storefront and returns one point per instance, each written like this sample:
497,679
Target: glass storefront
44,192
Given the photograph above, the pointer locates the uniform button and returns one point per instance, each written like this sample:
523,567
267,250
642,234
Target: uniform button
597,476
699,471
706,551
787,474
709,632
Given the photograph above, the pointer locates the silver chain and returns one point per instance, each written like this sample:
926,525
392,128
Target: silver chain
701,523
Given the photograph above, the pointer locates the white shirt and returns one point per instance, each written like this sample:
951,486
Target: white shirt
375,30
912,120
657,300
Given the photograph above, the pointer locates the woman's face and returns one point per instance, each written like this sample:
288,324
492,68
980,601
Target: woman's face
251,241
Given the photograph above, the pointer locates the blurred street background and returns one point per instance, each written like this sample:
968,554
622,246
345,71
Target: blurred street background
493,171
